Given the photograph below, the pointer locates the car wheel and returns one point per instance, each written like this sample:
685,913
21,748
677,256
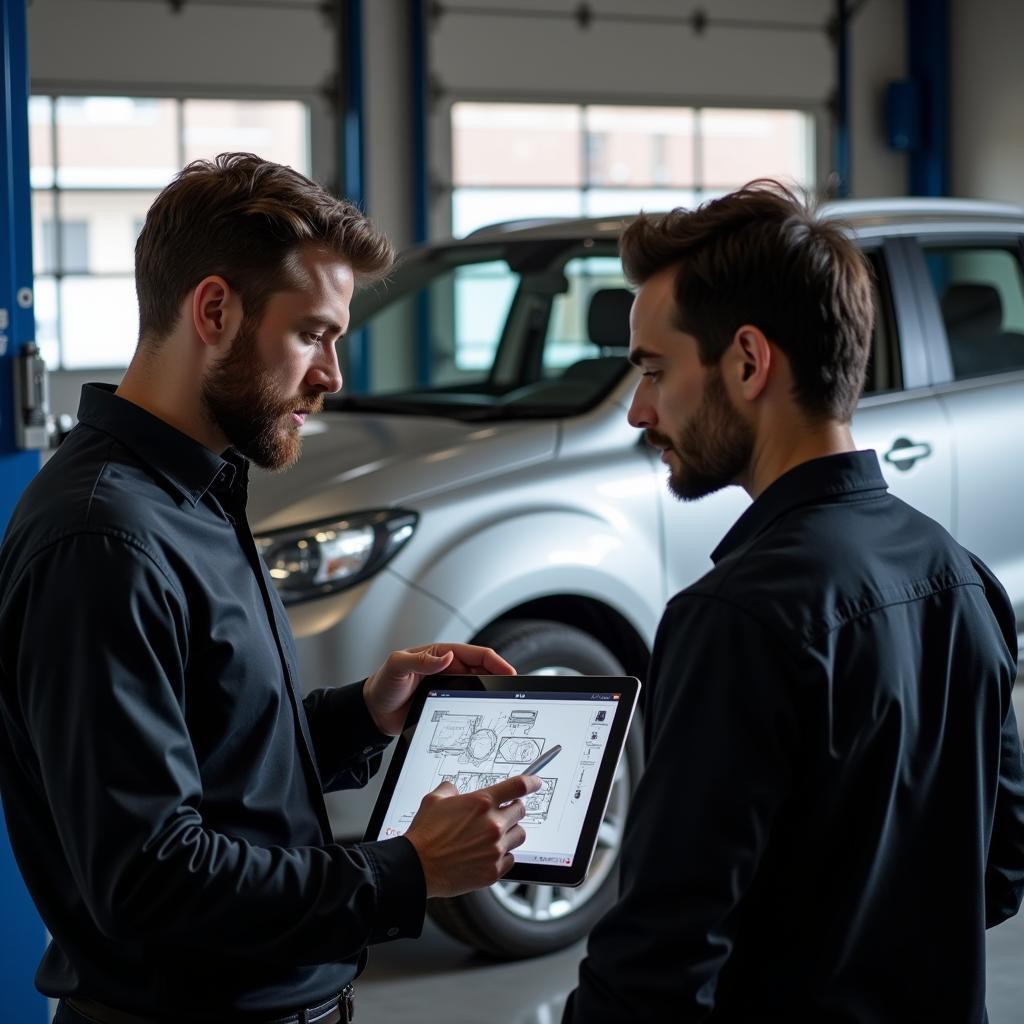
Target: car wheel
511,920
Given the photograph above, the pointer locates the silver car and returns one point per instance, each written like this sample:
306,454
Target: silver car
486,486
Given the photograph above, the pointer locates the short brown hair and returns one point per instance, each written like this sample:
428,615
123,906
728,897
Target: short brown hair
761,256
242,218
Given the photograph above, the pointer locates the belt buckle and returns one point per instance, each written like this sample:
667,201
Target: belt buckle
347,1004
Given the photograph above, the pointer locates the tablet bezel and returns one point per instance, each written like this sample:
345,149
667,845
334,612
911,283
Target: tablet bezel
539,874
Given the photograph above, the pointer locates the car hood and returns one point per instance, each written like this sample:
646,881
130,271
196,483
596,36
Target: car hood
353,461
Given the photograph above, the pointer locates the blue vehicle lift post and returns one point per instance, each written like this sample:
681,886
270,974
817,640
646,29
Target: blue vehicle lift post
23,934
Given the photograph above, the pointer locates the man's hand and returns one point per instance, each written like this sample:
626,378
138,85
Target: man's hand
464,841
388,691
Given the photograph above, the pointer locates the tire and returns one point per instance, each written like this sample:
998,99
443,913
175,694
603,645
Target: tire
511,920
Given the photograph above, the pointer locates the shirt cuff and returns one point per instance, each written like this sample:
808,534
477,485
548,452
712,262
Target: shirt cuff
401,889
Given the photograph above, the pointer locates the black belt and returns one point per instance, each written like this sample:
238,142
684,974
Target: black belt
339,1009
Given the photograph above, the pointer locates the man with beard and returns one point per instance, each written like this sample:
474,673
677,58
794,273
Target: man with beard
832,810
162,777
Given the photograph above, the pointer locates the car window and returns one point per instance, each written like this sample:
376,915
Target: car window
590,319
980,291
505,330
883,371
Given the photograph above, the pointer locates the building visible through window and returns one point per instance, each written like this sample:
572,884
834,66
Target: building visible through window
97,163
518,160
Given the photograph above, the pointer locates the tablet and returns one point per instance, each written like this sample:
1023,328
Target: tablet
474,731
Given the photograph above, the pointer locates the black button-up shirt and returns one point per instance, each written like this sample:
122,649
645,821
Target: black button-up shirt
832,810
161,776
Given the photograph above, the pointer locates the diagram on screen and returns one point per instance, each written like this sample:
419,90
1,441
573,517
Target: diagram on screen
519,750
492,749
539,804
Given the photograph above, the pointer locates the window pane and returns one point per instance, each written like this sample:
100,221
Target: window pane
473,208
516,144
113,220
276,130
45,308
640,146
482,296
40,141
569,338
981,294
100,320
738,145
602,201
42,214
110,141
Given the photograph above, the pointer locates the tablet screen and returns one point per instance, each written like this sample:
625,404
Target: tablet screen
474,739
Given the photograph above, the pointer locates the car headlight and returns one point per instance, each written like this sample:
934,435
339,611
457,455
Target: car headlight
323,557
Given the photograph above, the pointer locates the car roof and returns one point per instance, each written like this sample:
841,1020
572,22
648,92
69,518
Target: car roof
858,213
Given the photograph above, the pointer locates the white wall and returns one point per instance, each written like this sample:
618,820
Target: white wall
987,98
878,55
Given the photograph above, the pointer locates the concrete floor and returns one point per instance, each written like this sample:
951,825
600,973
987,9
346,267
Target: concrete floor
435,980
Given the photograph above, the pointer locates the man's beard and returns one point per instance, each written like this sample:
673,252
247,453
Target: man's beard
240,396
714,448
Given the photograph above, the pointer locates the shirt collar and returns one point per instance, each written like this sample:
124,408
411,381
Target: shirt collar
187,465
830,476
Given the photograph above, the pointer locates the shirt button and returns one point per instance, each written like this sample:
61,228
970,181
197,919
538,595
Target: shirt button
392,932
367,750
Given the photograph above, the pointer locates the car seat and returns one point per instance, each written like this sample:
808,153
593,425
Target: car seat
973,314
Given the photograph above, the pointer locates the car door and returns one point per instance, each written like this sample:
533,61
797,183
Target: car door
972,288
899,415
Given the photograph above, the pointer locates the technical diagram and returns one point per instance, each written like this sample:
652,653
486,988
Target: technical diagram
539,804
453,732
519,749
468,782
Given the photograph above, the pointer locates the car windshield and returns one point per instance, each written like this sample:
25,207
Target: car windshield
492,331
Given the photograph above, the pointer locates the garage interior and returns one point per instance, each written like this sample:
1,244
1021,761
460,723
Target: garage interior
439,119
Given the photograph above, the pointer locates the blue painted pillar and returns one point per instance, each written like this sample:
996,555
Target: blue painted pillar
842,111
352,156
928,66
22,936
419,88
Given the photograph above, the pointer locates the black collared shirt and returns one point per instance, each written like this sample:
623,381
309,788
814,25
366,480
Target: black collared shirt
161,776
832,810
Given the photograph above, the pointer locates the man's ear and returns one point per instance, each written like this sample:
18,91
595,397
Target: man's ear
216,311
750,356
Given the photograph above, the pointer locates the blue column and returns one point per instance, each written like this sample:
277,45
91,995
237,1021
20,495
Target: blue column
353,162
928,66
842,111
22,937
420,175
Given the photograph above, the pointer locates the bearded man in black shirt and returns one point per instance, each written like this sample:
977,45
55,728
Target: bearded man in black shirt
832,810
162,777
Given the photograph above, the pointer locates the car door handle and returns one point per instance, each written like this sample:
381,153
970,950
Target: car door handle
904,452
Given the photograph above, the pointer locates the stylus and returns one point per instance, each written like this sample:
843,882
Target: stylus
543,761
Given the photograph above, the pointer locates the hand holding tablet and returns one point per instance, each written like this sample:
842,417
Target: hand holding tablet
533,755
